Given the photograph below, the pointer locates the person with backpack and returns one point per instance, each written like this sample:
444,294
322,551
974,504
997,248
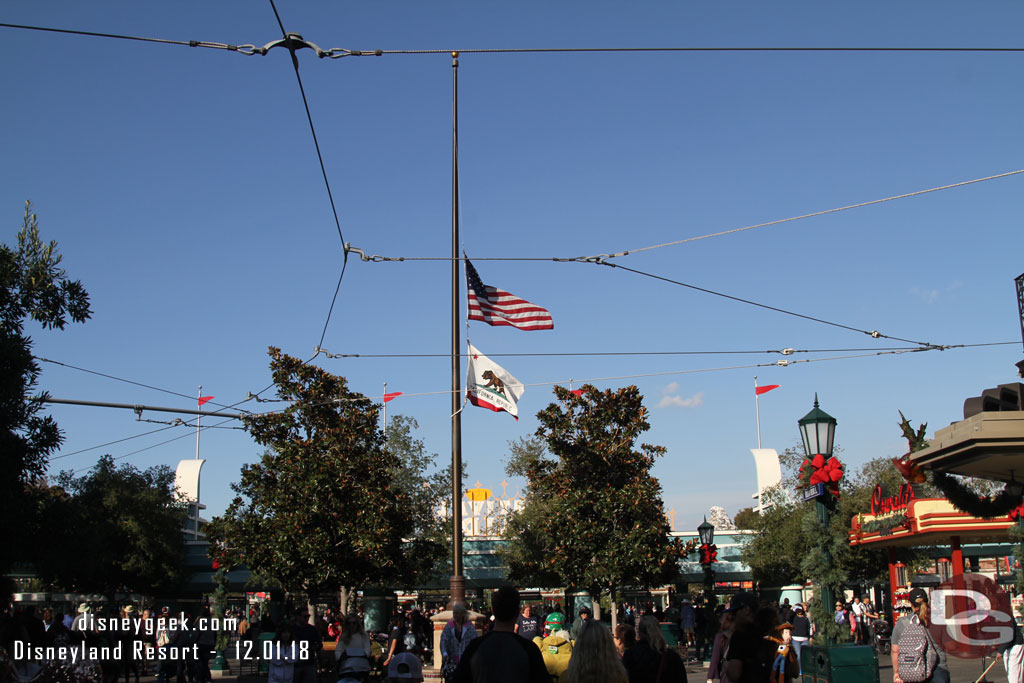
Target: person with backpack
915,656
352,651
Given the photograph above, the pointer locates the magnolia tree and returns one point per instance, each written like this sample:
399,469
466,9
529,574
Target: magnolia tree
325,510
593,518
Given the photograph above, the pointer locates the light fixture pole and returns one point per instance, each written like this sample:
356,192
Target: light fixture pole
708,556
818,430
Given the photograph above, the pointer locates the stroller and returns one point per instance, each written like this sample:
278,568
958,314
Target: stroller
882,636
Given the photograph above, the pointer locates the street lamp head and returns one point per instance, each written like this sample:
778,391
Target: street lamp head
706,532
818,430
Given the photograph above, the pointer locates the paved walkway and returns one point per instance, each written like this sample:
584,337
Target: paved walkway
960,671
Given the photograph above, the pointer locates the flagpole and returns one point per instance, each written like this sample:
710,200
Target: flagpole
457,583
385,412
199,416
757,409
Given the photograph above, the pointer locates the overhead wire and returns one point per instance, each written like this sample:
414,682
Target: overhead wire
162,443
126,381
785,362
289,43
338,52
376,258
783,351
818,213
875,334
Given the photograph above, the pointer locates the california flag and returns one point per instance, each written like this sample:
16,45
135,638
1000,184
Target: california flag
489,385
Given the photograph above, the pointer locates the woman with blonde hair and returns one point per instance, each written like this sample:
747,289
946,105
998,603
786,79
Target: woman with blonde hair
594,657
651,660
352,651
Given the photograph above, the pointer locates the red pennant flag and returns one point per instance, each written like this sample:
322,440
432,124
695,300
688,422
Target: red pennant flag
578,392
765,389
205,399
392,395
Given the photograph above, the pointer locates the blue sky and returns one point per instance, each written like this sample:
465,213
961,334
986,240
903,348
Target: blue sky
183,189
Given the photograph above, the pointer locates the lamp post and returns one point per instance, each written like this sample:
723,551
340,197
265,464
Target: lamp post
708,556
818,430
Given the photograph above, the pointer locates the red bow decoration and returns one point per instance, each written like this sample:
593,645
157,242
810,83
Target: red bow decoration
820,471
708,553
1017,512
911,471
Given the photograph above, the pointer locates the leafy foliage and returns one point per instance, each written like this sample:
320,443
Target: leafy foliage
328,506
745,518
594,517
113,529
32,286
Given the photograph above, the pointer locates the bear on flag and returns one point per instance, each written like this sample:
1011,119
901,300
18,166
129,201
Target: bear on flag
488,385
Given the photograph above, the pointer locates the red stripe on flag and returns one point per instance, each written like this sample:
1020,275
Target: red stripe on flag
765,389
481,403
500,308
388,397
205,399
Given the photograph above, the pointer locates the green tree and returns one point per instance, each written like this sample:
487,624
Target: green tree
745,518
321,511
113,529
774,552
593,518
33,286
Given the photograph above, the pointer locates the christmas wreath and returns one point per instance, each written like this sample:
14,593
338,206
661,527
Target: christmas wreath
986,507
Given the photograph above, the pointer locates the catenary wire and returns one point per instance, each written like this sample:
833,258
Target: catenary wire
872,333
323,169
778,363
180,436
820,213
126,381
583,354
381,259
110,443
342,52
244,49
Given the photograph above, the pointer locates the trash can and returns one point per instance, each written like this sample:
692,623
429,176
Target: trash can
670,632
839,664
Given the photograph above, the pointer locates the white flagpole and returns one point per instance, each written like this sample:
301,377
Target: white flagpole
199,416
385,412
757,410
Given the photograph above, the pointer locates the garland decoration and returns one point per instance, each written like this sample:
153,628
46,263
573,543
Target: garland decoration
821,471
986,507
885,524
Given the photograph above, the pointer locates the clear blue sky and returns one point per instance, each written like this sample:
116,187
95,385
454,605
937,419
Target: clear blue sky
184,191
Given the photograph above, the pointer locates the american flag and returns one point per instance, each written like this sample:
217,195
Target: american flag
497,307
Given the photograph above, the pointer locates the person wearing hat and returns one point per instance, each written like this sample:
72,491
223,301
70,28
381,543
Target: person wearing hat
748,659
577,626
918,599
405,666
555,647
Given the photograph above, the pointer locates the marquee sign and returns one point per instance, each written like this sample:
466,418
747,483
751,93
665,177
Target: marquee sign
882,504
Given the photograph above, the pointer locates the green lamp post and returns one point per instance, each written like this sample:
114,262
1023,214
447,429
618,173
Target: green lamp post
818,430
706,534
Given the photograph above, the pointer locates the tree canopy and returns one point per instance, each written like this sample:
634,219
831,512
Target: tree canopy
328,506
33,286
593,518
113,529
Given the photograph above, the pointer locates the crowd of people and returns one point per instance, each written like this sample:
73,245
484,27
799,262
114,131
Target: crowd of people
106,643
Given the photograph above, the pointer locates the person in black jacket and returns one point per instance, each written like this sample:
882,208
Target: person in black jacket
651,660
